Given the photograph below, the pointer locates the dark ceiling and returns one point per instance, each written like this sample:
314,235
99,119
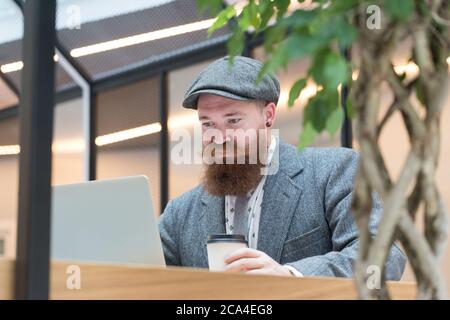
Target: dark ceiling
131,105
175,13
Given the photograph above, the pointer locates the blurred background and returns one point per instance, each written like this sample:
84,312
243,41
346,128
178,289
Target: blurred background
139,58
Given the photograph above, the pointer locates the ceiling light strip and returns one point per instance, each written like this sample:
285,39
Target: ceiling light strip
141,38
128,134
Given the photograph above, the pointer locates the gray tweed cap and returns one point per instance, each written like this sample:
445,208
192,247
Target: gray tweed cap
236,82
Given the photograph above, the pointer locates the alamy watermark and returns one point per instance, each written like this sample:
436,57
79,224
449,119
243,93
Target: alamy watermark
234,146
73,281
373,21
374,280
73,17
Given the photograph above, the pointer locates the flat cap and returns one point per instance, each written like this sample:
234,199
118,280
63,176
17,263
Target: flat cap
236,82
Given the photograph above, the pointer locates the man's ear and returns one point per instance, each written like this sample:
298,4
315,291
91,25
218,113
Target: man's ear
269,114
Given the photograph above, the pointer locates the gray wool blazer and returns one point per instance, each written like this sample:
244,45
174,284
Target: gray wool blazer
306,221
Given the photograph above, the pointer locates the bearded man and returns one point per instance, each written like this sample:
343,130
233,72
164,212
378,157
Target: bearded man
294,207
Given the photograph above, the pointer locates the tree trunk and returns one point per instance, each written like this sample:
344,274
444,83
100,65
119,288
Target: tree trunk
419,170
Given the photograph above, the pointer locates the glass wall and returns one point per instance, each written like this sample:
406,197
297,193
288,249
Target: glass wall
135,106
11,32
68,144
9,184
67,166
7,97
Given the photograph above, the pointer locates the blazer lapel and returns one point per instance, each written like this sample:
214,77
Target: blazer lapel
213,213
212,221
281,196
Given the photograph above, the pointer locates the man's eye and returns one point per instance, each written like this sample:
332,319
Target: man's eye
207,124
234,121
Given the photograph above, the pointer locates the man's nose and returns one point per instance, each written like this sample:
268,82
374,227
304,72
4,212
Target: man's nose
217,135
221,138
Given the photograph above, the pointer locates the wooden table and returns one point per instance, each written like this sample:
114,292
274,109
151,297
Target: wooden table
100,281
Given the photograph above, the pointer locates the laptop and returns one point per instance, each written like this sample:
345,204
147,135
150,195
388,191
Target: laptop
105,221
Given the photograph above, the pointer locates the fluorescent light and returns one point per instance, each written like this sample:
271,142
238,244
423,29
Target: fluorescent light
73,146
18,65
11,67
141,38
58,147
147,37
123,42
9,150
128,134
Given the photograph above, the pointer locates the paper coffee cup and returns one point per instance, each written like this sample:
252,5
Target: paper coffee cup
220,245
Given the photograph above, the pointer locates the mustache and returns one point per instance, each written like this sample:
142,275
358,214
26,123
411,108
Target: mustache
232,153
225,147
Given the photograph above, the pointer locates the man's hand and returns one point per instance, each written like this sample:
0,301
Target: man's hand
253,261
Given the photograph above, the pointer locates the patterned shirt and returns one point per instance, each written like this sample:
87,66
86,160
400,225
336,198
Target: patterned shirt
242,213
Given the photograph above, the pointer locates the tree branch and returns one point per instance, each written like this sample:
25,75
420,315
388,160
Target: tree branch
421,258
399,100
392,206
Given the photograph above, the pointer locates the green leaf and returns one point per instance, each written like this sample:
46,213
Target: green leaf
320,107
300,18
318,113
222,19
295,91
272,36
345,33
213,6
277,60
235,45
244,18
254,16
329,69
335,113
399,9
266,12
249,17
308,135
334,121
342,7
282,6
302,44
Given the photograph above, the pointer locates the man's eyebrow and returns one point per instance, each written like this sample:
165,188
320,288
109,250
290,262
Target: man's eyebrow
203,118
237,113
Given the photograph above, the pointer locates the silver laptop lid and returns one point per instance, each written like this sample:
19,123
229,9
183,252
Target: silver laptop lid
107,221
